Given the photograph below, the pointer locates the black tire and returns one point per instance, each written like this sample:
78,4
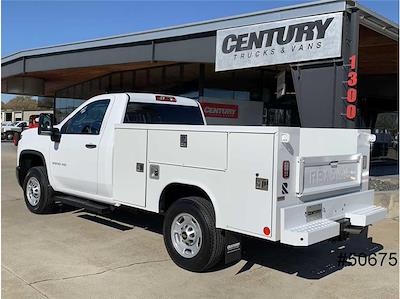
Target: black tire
212,245
45,202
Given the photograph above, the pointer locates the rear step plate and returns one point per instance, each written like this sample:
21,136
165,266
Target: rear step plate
89,205
310,233
366,216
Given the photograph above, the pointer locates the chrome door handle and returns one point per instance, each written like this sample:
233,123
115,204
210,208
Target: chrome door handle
90,145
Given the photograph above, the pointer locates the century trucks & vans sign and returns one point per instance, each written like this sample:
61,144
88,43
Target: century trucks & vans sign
294,40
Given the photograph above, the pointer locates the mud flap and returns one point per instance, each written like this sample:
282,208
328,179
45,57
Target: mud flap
233,247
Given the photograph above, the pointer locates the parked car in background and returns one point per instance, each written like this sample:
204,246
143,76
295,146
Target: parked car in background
7,132
6,123
383,140
395,143
33,123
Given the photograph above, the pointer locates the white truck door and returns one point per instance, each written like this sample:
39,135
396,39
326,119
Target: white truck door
73,161
130,171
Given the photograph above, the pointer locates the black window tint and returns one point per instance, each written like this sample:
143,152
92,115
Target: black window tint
88,120
163,114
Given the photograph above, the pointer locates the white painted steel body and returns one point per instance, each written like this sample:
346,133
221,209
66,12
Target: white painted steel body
225,162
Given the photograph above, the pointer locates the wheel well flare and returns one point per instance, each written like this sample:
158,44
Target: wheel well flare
175,191
27,160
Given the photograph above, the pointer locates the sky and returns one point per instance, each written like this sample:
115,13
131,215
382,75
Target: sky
33,24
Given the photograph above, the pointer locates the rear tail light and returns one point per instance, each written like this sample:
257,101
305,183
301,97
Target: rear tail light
285,169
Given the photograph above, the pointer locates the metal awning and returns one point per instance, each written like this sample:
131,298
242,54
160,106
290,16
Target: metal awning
288,12
63,65
378,23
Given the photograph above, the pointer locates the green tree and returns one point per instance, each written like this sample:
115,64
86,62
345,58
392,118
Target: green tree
20,103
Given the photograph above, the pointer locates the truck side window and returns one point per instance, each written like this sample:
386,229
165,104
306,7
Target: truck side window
149,113
88,120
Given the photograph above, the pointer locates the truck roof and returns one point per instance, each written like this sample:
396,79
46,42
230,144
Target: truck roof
161,99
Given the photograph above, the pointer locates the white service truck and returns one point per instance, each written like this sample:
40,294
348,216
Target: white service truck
213,184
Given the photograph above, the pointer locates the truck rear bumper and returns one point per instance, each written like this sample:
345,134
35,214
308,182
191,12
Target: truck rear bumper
316,221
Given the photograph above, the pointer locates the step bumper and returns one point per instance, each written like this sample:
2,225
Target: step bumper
316,221
366,216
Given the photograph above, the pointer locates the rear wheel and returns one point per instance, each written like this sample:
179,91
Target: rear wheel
37,191
190,236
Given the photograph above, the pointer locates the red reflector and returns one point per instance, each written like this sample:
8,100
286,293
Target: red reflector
267,231
165,99
285,169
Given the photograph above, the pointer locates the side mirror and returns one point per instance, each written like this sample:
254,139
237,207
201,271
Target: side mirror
46,127
45,124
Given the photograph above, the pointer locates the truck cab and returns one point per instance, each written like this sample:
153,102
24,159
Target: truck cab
87,134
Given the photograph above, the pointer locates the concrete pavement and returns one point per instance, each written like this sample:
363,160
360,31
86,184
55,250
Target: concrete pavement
75,254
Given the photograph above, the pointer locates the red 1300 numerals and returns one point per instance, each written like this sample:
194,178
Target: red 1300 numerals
351,110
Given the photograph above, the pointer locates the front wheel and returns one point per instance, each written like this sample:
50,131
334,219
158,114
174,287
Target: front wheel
190,236
37,191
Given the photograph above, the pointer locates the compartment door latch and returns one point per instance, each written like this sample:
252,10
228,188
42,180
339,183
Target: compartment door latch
261,184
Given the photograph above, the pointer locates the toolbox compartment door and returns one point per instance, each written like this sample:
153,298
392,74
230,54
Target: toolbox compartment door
251,162
130,171
186,148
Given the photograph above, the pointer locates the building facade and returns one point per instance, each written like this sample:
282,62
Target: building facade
321,64
9,115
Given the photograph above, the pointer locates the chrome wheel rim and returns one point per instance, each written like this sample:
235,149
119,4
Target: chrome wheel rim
33,191
186,235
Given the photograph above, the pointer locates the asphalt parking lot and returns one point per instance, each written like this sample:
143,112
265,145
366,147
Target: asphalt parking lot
75,254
